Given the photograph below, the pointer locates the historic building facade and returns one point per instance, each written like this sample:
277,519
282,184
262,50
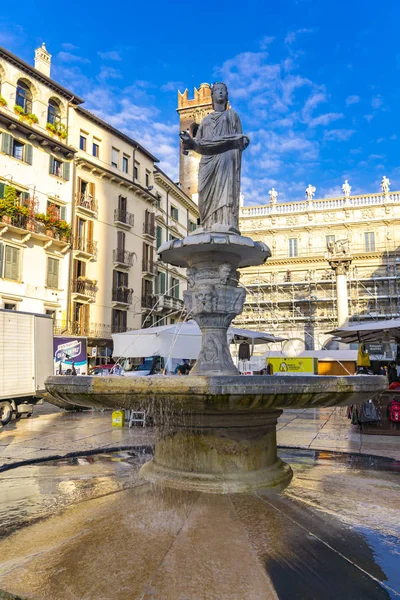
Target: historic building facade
82,208
36,182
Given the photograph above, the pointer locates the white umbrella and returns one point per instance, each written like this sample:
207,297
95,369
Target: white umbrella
374,331
182,340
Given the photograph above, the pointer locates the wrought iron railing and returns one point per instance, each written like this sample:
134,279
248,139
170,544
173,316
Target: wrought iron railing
123,257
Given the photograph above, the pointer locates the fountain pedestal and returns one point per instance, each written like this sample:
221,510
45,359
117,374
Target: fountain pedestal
226,452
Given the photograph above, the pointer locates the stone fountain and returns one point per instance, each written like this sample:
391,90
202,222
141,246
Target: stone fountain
216,428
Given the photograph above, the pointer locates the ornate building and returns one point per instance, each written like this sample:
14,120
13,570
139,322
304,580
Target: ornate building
295,294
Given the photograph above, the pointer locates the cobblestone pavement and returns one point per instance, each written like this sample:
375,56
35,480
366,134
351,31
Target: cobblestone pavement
52,432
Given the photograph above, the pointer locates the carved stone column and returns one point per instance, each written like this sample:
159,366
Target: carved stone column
341,267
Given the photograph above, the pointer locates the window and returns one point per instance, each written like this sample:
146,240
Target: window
58,168
119,320
121,241
10,306
114,157
172,237
51,312
120,279
10,262
56,210
53,265
136,170
174,287
15,148
23,96
158,201
192,226
53,112
125,164
369,238
174,213
159,236
160,283
82,142
147,178
96,149
293,247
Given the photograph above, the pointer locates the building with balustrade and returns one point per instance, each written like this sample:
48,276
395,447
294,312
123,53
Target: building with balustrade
82,207
294,294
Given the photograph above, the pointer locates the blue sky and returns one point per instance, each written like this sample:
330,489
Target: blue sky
315,82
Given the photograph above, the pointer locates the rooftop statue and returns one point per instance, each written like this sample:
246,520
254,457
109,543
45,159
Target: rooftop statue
310,191
220,142
385,185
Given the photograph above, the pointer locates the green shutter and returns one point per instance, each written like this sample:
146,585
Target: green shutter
1,259
159,236
51,165
63,211
66,170
28,154
11,268
52,272
162,283
24,198
6,143
2,188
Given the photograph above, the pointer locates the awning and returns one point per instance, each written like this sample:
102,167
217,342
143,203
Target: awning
373,331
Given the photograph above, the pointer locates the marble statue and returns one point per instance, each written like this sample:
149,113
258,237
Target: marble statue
220,142
385,185
346,189
310,191
273,194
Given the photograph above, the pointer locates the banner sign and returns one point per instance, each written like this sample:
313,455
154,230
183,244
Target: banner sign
70,354
293,366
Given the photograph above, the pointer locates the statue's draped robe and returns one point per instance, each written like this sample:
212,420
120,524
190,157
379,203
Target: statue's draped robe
219,140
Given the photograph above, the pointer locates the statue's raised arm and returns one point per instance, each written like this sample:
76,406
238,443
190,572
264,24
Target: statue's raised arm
220,142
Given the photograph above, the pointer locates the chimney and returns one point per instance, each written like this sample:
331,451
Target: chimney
43,60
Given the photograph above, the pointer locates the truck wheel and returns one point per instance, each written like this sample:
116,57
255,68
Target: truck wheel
5,413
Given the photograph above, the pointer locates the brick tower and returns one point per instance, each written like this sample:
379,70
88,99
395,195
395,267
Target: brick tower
191,112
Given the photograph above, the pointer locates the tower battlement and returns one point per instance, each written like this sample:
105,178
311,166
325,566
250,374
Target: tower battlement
201,97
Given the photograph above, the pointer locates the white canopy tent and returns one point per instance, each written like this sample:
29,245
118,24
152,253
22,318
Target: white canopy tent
374,331
181,340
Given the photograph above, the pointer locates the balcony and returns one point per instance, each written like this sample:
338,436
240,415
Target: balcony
84,289
86,203
123,218
149,230
149,267
123,258
165,302
84,248
148,301
92,330
35,229
122,295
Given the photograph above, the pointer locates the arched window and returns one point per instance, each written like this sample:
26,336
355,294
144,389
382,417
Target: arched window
194,128
23,96
53,112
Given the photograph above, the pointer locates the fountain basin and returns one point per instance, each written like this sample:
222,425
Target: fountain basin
215,434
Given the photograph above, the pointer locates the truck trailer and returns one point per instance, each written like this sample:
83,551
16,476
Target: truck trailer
26,360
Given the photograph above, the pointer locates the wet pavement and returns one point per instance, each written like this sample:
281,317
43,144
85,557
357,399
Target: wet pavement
88,528
51,432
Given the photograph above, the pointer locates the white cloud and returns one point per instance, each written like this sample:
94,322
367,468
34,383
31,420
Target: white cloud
109,73
68,46
266,41
67,57
377,102
110,55
172,86
340,135
352,100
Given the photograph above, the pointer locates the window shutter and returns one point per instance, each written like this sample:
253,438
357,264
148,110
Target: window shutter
6,143
28,153
63,213
115,279
11,270
1,259
66,170
52,272
121,241
152,217
90,231
162,283
159,236
2,188
51,165
24,198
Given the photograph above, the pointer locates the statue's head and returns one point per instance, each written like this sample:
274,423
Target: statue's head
219,92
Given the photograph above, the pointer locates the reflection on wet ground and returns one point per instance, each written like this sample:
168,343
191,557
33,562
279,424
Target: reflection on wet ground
89,528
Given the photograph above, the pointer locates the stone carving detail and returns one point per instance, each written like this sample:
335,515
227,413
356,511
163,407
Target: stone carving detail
385,185
338,248
346,188
273,195
310,192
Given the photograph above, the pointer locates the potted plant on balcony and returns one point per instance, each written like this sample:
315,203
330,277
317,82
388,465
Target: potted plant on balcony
3,101
57,129
8,204
65,230
23,116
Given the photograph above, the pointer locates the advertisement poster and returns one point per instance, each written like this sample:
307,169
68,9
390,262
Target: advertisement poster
70,356
294,366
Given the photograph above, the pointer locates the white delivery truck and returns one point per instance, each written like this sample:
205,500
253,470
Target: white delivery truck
26,360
